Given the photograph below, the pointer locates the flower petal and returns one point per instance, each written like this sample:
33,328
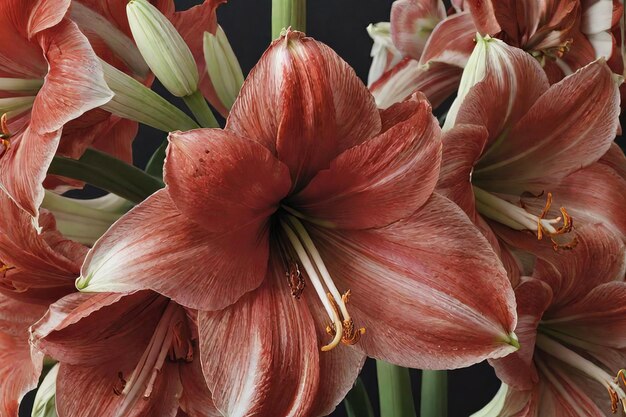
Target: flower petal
29,152
305,103
437,81
600,317
155,247
517,370
74,83
382,180
19,371
88,392
196,399
447,306
553,141
412,22
270,364
462,147
221,181
46,14
451,42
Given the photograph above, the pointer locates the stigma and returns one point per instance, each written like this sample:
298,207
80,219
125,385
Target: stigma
518,218
341,327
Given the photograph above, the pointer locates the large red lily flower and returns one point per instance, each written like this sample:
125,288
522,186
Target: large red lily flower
51,77
310,218
528,155
572,322
19,369
157,372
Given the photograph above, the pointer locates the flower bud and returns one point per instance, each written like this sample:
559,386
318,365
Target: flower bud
164,50
137,102
222,66
45,398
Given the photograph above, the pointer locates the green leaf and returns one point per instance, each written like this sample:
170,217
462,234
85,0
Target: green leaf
394,391
357,402
108,173
155,164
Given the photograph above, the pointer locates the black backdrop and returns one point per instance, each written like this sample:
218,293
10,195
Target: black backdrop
340,24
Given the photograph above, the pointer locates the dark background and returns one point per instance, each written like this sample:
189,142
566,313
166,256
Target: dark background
340,24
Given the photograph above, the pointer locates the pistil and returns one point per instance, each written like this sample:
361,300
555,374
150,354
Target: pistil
342,328
516,217
564,354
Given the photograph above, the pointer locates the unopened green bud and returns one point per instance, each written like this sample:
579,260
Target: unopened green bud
164,50
222,66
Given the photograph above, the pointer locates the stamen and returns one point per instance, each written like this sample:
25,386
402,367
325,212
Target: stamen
342,326
557,350
163,342
515,217
296,280
5,134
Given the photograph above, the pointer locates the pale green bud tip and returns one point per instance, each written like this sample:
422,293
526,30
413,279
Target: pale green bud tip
222,66
83,282
164,50
45,399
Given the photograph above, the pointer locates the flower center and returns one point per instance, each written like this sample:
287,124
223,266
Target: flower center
341,326
593,371
516,217
171,340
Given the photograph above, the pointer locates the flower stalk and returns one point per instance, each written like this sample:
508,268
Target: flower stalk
200,109
394,391
288,13
434,397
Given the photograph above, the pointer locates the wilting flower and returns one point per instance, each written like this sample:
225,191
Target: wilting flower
18,369
526,154
309,220
572,322
50,77
124,354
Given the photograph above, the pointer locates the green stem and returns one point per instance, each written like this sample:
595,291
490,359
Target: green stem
155,164
357,401
434,398
107,173
200,108
288,13
394,391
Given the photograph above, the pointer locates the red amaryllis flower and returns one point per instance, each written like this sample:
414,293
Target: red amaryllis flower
50,77
36,265
124,354
572,322
19,369
525,154
310,218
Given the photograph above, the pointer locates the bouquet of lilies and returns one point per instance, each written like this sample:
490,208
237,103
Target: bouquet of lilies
253,266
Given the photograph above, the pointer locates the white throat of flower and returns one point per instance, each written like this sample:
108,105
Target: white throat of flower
593,371
342,326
